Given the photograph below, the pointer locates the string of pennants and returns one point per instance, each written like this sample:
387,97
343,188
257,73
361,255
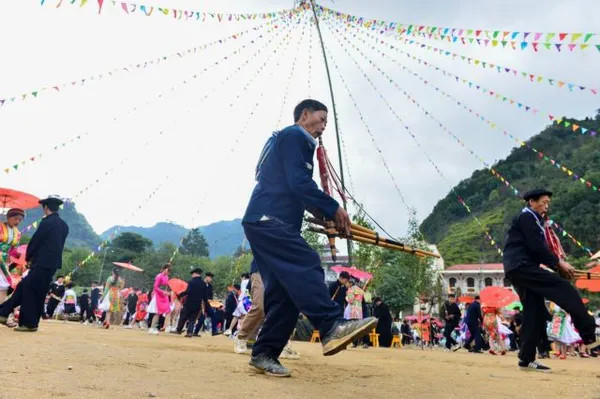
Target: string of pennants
493,171
185,81
176,13
59,88
115,232
484,229
540,155
286,40
483,37
529,77
481,89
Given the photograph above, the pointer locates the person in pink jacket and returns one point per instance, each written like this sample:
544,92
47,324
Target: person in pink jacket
160,298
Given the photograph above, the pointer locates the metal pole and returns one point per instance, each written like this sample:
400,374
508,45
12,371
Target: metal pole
335,118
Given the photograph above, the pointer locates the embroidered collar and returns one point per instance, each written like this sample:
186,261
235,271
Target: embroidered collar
536,216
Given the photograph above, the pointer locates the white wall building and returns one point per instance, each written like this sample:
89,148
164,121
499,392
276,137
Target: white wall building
469,279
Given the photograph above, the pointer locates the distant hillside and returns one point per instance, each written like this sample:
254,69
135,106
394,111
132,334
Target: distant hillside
223,237
81,233
575,206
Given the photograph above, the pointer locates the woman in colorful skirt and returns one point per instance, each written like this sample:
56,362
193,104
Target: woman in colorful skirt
491,324
561,331
159,304
141,309
9,241
112,289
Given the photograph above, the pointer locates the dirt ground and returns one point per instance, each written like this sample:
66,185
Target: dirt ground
74,361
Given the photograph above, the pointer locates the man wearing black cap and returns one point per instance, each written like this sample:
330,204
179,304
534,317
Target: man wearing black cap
44,254
207,308
195,297
337,290
525,250
451,315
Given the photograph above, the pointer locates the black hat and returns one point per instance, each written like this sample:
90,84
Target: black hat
196,271
209,274
51,200
537,193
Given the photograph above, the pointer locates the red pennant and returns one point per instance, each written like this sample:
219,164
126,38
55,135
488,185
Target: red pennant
477,33
100,3
562,36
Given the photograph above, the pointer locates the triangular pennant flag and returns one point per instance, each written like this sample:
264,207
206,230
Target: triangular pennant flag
535,44
567,124
572,46
575,36
100,3
562,36
575,127
583,130
587,37
7,170
558,46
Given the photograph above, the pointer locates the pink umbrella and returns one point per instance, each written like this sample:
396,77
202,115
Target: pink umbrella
359,274
18,255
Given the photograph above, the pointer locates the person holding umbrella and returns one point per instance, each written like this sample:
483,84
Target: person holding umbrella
44,253
111,303
9,241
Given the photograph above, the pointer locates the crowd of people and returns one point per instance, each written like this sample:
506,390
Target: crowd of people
286,280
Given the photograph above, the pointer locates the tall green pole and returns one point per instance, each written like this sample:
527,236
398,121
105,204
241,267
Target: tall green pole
335,118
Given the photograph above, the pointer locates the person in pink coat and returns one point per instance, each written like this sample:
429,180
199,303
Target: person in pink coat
160,298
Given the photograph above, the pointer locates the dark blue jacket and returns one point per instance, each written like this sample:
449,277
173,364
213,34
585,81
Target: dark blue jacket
45,249
526,244
473,315
195,294
285,187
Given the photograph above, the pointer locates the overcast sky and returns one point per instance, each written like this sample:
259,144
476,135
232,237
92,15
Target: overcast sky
212,130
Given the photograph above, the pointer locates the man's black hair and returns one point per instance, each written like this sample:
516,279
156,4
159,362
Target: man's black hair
477,297
309,104
345,275
237,287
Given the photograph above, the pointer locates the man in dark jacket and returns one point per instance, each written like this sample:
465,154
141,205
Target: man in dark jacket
44,254
208,310
337,290
290,269
384,325
56,293
94,300
473,321
195,298
451,316
525,250
84,306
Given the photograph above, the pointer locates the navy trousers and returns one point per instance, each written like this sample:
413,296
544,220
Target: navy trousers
189,316
30,295
213,321
475,332
533,284
294,282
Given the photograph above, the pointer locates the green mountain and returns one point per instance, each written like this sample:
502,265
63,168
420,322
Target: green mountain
575,206
223,237
81,233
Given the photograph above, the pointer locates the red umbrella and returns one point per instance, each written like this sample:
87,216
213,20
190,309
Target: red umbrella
177,285
497,297
128,266
465,299
17,199
590,285
359,274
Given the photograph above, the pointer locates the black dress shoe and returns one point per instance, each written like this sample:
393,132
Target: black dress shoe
264,364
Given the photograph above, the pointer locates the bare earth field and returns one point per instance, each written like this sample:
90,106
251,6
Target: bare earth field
70,360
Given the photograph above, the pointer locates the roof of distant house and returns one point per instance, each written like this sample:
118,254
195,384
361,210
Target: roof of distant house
476,267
